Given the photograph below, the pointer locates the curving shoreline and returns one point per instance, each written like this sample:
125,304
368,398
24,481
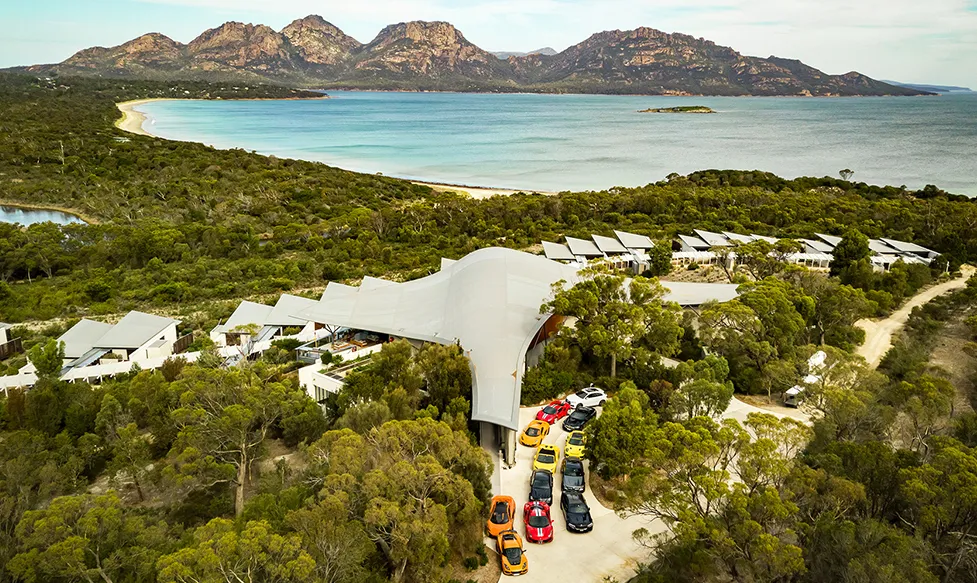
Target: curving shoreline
132,121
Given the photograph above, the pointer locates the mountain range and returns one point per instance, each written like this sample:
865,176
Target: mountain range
432,56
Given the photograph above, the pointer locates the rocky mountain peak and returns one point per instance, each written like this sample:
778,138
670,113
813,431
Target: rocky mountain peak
319,41
439,34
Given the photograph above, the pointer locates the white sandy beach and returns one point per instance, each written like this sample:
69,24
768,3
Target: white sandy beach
132,121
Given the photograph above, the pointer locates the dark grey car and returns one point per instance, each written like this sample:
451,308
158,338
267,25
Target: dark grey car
541,486
574,479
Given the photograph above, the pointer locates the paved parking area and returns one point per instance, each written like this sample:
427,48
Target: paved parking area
608,550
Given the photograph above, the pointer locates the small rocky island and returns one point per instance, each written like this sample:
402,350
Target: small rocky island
682,109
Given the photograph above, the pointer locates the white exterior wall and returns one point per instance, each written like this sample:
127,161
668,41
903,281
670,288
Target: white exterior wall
219,338
148,351
316,384
4,337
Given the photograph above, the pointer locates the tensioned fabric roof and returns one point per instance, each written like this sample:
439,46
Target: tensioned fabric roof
583,247
134,330
632,241
738,237
881,247
82,337
488,303
608,245
829,239
554,251
283,312
907,247
694,242
714,239
247,313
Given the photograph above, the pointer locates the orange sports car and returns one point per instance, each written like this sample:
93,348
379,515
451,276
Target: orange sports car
502,515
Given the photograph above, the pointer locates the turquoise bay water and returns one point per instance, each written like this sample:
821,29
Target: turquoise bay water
578,142
9,214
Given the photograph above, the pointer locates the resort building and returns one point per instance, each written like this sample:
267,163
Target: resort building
136,337
96,350
623,251
253,327
486,302
700,248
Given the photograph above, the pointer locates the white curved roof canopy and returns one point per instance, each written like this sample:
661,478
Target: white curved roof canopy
487,302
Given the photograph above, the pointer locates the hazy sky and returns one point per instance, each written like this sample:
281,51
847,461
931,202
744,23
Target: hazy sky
932,41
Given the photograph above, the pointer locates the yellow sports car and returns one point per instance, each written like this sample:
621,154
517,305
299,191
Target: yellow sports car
534,433
513,558
576,444
546,458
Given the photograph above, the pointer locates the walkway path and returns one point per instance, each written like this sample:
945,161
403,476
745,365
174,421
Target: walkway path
879,333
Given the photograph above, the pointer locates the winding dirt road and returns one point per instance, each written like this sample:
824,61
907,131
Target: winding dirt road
878,333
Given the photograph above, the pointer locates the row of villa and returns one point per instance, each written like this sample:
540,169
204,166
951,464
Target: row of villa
630,251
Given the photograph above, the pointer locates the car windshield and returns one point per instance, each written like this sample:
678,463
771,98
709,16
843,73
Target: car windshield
576,440
532,431
537,521
573,469
513,555
501,513
578,508
549,410
545,458
583,394
578,414
541,479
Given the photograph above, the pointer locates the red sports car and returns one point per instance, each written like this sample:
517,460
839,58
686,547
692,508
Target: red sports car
554,411
539,525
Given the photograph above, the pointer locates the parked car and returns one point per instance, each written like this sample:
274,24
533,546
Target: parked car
580,416
534,433
576,512
575,445
553,412
511,554
573,475
590,397
502,515
541,486
546,458
539,525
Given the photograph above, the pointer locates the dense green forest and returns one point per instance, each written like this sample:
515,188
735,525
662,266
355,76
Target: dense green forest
193,472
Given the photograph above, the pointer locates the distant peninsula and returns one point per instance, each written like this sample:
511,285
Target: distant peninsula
435,56
680,109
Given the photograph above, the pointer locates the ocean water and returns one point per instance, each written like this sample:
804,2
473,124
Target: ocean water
581,142
9,214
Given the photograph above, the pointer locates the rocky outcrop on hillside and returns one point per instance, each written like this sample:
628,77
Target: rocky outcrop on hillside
311,52
319,42
428,50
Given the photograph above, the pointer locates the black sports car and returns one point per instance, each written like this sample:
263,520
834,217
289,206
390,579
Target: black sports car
573,475
541,486
580,416
576,512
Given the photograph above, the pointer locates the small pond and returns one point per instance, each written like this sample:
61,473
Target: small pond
9,214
